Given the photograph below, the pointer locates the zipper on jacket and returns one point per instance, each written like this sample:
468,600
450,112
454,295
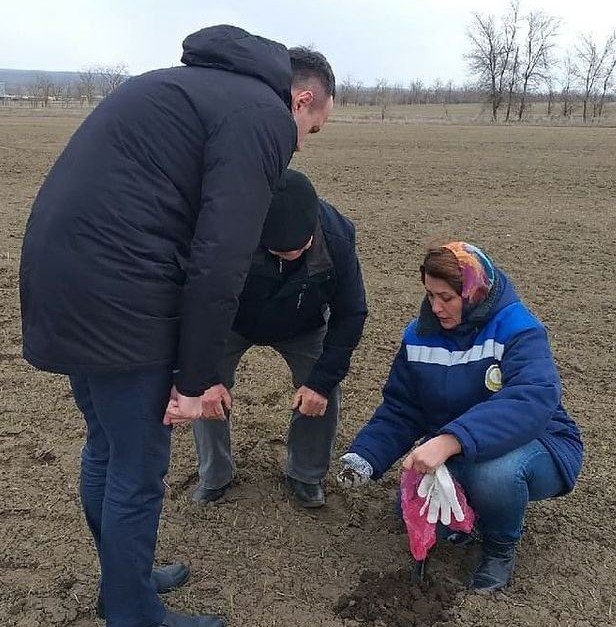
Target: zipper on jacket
280,264
301,295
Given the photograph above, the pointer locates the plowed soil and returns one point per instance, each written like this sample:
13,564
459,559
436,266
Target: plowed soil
540,200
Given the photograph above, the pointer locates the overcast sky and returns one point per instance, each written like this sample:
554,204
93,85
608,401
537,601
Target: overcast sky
368,39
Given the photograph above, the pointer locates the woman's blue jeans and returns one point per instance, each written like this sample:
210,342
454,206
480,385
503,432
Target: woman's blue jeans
499,489
123,462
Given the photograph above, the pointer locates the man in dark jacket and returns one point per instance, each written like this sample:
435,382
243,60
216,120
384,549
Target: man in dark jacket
304,297
133,260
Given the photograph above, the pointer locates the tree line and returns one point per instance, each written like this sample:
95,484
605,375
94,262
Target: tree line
89,86
516,55
513,60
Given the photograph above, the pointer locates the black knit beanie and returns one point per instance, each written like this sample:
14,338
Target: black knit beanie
292,216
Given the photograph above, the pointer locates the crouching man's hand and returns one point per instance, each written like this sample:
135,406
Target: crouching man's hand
216,402
308,402
355,471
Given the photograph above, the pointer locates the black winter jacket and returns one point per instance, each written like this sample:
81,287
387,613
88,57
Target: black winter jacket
146,224
327,283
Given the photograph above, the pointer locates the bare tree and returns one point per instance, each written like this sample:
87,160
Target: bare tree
416,91
540,41
566,86
87,85
65,93
397,95
591,67
492,52
111,77
608,74
549,88
358,87
513,81
511,52
345,91
349,91
382,95
449,92
436,90
42,89
484,57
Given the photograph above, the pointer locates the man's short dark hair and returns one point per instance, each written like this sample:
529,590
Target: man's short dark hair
308,64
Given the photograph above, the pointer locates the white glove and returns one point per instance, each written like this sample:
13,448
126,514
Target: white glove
355,471
427,489
440,494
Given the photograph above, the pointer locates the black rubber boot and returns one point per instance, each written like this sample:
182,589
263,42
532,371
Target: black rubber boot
172,619
209,495
306,494
495,569
164,579
458,538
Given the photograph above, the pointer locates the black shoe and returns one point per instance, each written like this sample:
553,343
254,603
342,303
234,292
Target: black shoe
173,619
167,578
306,494
495,569
209,495
164,579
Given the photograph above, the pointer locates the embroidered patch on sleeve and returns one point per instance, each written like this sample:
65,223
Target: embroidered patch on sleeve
493,379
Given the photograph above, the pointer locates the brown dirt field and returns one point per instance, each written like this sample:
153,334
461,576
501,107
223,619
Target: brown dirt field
541,201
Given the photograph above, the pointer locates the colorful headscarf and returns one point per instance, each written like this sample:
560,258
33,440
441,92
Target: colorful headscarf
476,269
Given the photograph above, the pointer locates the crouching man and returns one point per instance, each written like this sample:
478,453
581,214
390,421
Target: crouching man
304,297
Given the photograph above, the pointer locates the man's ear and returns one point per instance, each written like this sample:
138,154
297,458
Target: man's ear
302,98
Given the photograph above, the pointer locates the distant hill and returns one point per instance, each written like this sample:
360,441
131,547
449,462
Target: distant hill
17,80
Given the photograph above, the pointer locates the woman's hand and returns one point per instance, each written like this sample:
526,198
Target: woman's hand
431,454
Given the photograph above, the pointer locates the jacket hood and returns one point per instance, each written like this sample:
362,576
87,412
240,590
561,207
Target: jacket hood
507,294
235,50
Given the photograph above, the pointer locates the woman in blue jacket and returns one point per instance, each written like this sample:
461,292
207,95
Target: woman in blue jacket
476,382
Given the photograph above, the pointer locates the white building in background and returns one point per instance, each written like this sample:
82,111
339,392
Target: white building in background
2,89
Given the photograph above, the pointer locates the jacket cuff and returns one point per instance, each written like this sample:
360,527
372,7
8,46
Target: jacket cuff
188,392
469,448
194,391
316,385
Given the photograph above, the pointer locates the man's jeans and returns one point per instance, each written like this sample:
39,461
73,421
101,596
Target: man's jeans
499,489
310,440
123,463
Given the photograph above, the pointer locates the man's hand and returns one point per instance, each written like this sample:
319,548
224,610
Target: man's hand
308,402
216,402
182,409
428,456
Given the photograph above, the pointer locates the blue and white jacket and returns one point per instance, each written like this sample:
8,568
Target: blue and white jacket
494,389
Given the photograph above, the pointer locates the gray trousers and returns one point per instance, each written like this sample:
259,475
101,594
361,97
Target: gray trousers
310,441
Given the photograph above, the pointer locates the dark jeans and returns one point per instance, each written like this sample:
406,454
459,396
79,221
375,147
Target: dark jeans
310,440
123,462
499,489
